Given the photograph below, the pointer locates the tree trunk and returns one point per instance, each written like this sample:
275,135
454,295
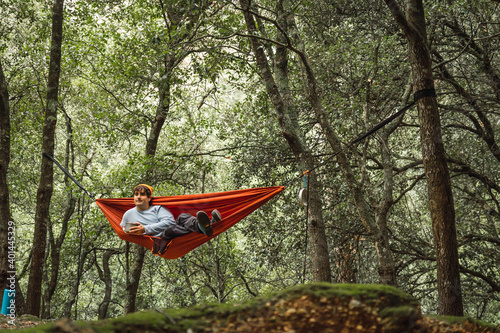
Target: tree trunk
76,285
5,217
45,186
20,301
377,229
345,259
55,245
138,251
55,255
436,170
105,276
132,286
189,285
279,92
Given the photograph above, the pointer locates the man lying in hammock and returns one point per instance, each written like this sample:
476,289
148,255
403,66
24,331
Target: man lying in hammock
158,221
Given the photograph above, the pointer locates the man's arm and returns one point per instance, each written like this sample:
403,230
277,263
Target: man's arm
126,218
164,217
131,216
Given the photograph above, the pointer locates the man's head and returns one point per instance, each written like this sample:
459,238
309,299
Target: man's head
142,196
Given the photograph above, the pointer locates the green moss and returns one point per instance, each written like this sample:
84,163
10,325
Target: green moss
38,329
153,319
149,320
462,320
399,312
366,292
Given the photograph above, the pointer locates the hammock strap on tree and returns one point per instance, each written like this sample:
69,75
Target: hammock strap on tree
416,96
50,157
233,206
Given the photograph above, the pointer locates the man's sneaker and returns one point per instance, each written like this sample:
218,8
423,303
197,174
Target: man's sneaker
204,223
216,216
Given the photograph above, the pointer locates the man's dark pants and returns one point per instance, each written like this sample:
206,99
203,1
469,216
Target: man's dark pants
184,224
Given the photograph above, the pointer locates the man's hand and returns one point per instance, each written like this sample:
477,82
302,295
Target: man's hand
138,229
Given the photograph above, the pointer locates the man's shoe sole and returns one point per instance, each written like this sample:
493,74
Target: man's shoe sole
204,223
216,216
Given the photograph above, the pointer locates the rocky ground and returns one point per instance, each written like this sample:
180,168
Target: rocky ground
316,308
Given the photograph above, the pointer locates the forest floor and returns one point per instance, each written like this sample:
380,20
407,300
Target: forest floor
310,308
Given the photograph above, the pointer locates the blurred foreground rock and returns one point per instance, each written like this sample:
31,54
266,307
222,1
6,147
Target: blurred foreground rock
317,307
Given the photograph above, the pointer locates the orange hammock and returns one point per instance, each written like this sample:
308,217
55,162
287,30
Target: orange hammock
233,206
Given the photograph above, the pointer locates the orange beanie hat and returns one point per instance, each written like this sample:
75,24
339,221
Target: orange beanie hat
150,188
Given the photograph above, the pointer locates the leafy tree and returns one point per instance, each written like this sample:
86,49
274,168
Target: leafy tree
277,85
468,81
45,187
